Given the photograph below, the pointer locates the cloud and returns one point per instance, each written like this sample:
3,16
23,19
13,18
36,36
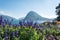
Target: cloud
6,13
1,12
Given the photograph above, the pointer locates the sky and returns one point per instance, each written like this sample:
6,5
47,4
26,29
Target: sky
20,8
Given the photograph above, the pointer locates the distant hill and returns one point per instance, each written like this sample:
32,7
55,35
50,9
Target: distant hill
33,16
9,19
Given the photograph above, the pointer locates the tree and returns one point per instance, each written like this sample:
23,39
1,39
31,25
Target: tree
58,12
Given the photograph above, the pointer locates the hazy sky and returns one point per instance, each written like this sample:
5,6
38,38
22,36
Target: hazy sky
20,8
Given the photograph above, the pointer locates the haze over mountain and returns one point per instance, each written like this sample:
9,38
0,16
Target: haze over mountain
9,19
33,16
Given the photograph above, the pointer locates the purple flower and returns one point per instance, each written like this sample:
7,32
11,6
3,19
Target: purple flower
13,33
6,35
25,24
29,23
36,25
0,20
6,38
21,23
16,33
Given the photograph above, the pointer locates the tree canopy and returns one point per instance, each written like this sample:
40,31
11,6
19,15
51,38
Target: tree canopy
58,12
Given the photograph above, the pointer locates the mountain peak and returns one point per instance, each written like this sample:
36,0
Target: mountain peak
32,13
33,16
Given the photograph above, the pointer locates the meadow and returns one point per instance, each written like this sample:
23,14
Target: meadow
29,31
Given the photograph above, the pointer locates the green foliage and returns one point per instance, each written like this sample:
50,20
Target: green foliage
58,13
29,33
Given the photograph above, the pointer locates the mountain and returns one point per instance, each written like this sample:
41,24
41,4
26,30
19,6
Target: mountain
9,19
33,16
